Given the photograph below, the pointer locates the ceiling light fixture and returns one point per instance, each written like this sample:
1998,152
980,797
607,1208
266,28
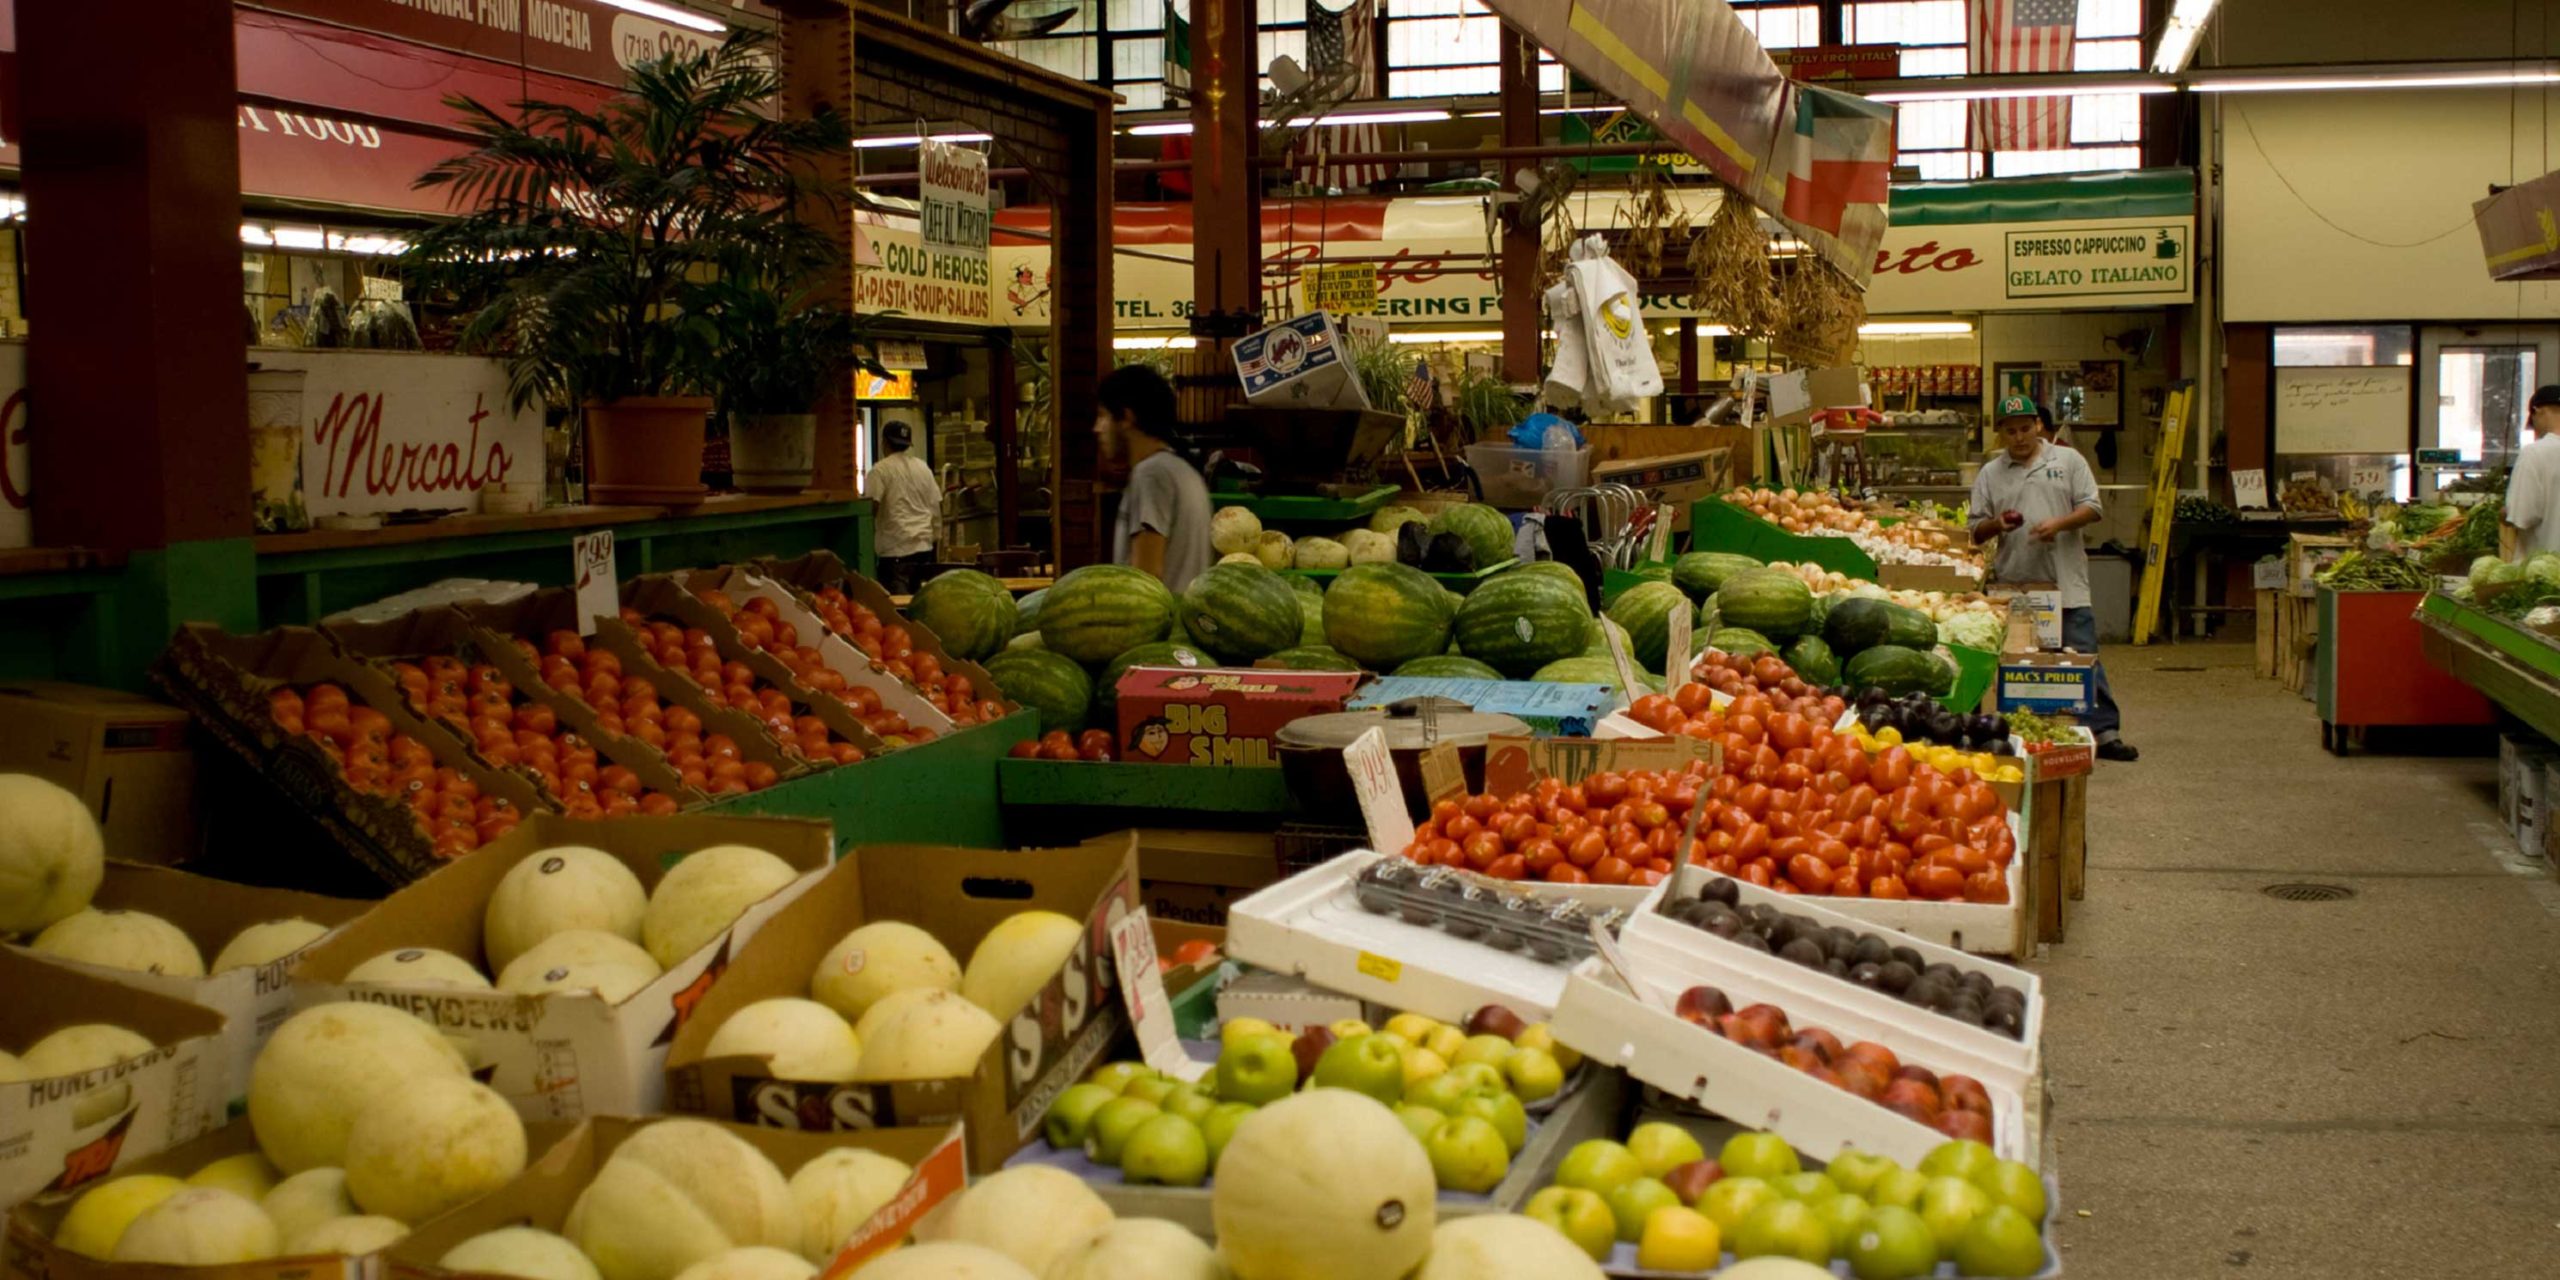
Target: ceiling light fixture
1915,328
2418,80
1166,129
2178,39
1154,344
909,140
2045,90
682,17
1369,117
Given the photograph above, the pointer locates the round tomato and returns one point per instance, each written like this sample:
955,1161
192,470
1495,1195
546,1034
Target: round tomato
1587,848
1509,866
1481,849
1809,873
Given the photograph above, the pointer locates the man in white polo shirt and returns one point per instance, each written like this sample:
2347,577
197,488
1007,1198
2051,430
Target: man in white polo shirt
2035,496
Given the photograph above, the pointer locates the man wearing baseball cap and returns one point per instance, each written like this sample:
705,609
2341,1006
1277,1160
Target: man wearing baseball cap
2533,488
2034,496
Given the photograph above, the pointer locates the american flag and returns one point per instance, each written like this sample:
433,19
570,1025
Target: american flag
1344,38
1422,389
2021,37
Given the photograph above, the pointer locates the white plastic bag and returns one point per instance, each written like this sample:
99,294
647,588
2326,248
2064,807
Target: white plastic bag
1622,372
1566,382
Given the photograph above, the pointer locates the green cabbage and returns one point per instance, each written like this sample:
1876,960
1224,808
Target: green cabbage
1973,629
2544,568
2490,571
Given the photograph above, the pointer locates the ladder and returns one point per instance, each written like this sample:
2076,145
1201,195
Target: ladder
2164,509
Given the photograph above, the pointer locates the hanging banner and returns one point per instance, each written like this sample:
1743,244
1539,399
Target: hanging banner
954,200
1346,289
895,270
392,431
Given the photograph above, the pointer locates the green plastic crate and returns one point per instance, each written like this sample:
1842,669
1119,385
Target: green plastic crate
1300,508
1716,525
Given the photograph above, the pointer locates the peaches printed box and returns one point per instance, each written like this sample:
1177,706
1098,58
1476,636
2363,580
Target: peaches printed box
1220,715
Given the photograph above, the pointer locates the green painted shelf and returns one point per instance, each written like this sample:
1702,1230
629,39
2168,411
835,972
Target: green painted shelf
1292,508
1716,525
941,792
1177,787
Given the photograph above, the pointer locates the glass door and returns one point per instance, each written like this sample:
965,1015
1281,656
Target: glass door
2473,387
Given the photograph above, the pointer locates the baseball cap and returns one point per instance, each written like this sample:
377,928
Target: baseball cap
2547,397
2025,407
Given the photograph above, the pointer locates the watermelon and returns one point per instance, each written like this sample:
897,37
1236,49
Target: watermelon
1026,611
1655,571
1598,645
1773,602
1896,670
1558,570
1241,612
1741,641
1812,661
1519,622
1310,614
1645,611
1588,670
971,612
1856,624
1448,666
1385,615
1486,532
1310,657
1909,627
1387,520
1162,653
1095,613
1045,682
1700,572
1027,640
1451,600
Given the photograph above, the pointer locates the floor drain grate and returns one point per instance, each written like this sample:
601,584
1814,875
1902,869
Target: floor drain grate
2308,892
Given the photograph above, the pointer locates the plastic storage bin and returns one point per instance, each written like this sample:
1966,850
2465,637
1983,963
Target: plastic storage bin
1519,478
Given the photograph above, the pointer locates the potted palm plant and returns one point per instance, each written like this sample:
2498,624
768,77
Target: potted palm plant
779,354
589,243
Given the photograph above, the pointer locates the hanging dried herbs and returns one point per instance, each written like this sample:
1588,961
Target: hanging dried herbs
1653,221
1822,312
1729,265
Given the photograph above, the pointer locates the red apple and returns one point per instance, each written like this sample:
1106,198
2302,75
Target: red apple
1496,1020
1801,1058
1309,1048
1775,1015
1921,1074
1704,1006
1690,1181
1877,1056
1914,1093
1912,1111
1824,1044
1964,1093
1827,1076
1965,1124
1859,1077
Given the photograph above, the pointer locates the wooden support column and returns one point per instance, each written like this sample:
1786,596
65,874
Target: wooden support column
817,71
1080,323
1226,254
1520,249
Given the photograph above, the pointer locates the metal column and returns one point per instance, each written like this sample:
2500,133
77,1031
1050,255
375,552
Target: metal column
1520,248
1226,264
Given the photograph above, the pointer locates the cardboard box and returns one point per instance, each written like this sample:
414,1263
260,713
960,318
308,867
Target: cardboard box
252,1001
2052,761
567,1056
1930,577
2306,554
1220,715
2548,846
61,1133
1300,363
838,653
542,1195
124,755
2038,605
957,895
1191,876
1558,710
2267,574
2048,683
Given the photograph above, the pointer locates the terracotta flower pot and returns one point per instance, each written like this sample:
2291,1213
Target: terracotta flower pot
773,452
646,450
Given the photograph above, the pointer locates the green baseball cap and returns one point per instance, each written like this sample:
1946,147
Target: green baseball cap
2016,407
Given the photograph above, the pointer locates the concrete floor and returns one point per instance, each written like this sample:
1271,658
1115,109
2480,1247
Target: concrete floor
2247,1086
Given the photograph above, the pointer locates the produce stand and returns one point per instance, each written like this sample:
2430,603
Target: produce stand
2369,670
2509,665
1458,582
1717,525
1301,508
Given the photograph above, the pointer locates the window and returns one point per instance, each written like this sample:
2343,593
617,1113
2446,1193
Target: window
2106,129
1449,48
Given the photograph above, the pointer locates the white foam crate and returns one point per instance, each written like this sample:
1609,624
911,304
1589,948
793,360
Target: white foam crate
1875,1015
1606,1022
1984,928
1598,897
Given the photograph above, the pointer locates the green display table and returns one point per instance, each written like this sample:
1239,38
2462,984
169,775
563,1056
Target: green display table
941,792
1171,787
1301,508
1717,525
2511,666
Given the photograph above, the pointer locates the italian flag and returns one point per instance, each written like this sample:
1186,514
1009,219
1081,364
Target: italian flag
1840,153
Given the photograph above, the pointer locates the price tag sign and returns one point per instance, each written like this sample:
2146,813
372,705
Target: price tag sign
2368,479
1660,549
2249,488
598,581
1630,685
1676,655
1133,953
1382,805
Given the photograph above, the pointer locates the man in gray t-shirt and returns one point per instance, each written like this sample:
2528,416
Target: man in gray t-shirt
2035,496
1164,514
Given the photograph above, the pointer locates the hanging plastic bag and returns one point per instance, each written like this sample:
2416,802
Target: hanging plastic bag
1622,372
1566,381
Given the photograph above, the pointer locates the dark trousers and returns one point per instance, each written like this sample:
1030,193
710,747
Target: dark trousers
2080,633
901,575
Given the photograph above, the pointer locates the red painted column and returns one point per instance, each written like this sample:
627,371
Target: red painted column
1226,270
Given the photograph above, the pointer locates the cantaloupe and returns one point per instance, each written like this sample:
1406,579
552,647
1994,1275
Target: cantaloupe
432,1145
554,891
1138,1249
755,1262
199,1227
83,1047
248,1175
703,895
51,853
879,958
945,1261
1504,1246
889,1007
581,960
1030,1213
1016,959
838,1191
675,1193
135,941
328,1065
940,1037
98,1218
354,1237
1326,1183
265,943
307,1199
417,967
799,1039
530,1252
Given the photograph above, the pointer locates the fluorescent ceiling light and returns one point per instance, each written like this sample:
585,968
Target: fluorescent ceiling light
1915,328
300,238
909,140
2046,90
1369,117
2178,39
1166,129
1447,335
1154,344
251,233
2421,80
670,13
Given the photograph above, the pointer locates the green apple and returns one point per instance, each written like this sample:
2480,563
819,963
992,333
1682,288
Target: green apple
1533,1074
1419,1120
1446,1041
1153,1089
1348,1028
1732,1201
1949,1205
1220,1125
1467,1155
1580,1215
1758,1155
1856,1171
1413,1027
1192,1102
1679,1239
1113,1122
1116,1076
1538,1035
1257,1069
2002,1242
1597,1164
1166,1150
1662,1147
1501,1110
1476,1077
1786,1229
1402,1045
1440,1093
1072,1114
1234,1029
1362,1064
2016,1186
1900,1188
1962,1158
1843,1214
1633,1201
1812,1188
1892,1244
1420,1065
1492,1051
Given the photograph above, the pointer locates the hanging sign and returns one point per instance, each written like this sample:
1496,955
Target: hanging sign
1349,289
954,203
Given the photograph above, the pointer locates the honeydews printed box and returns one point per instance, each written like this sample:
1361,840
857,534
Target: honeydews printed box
140,1073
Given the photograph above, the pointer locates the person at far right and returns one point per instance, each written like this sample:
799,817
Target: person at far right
2532,522
2034,497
